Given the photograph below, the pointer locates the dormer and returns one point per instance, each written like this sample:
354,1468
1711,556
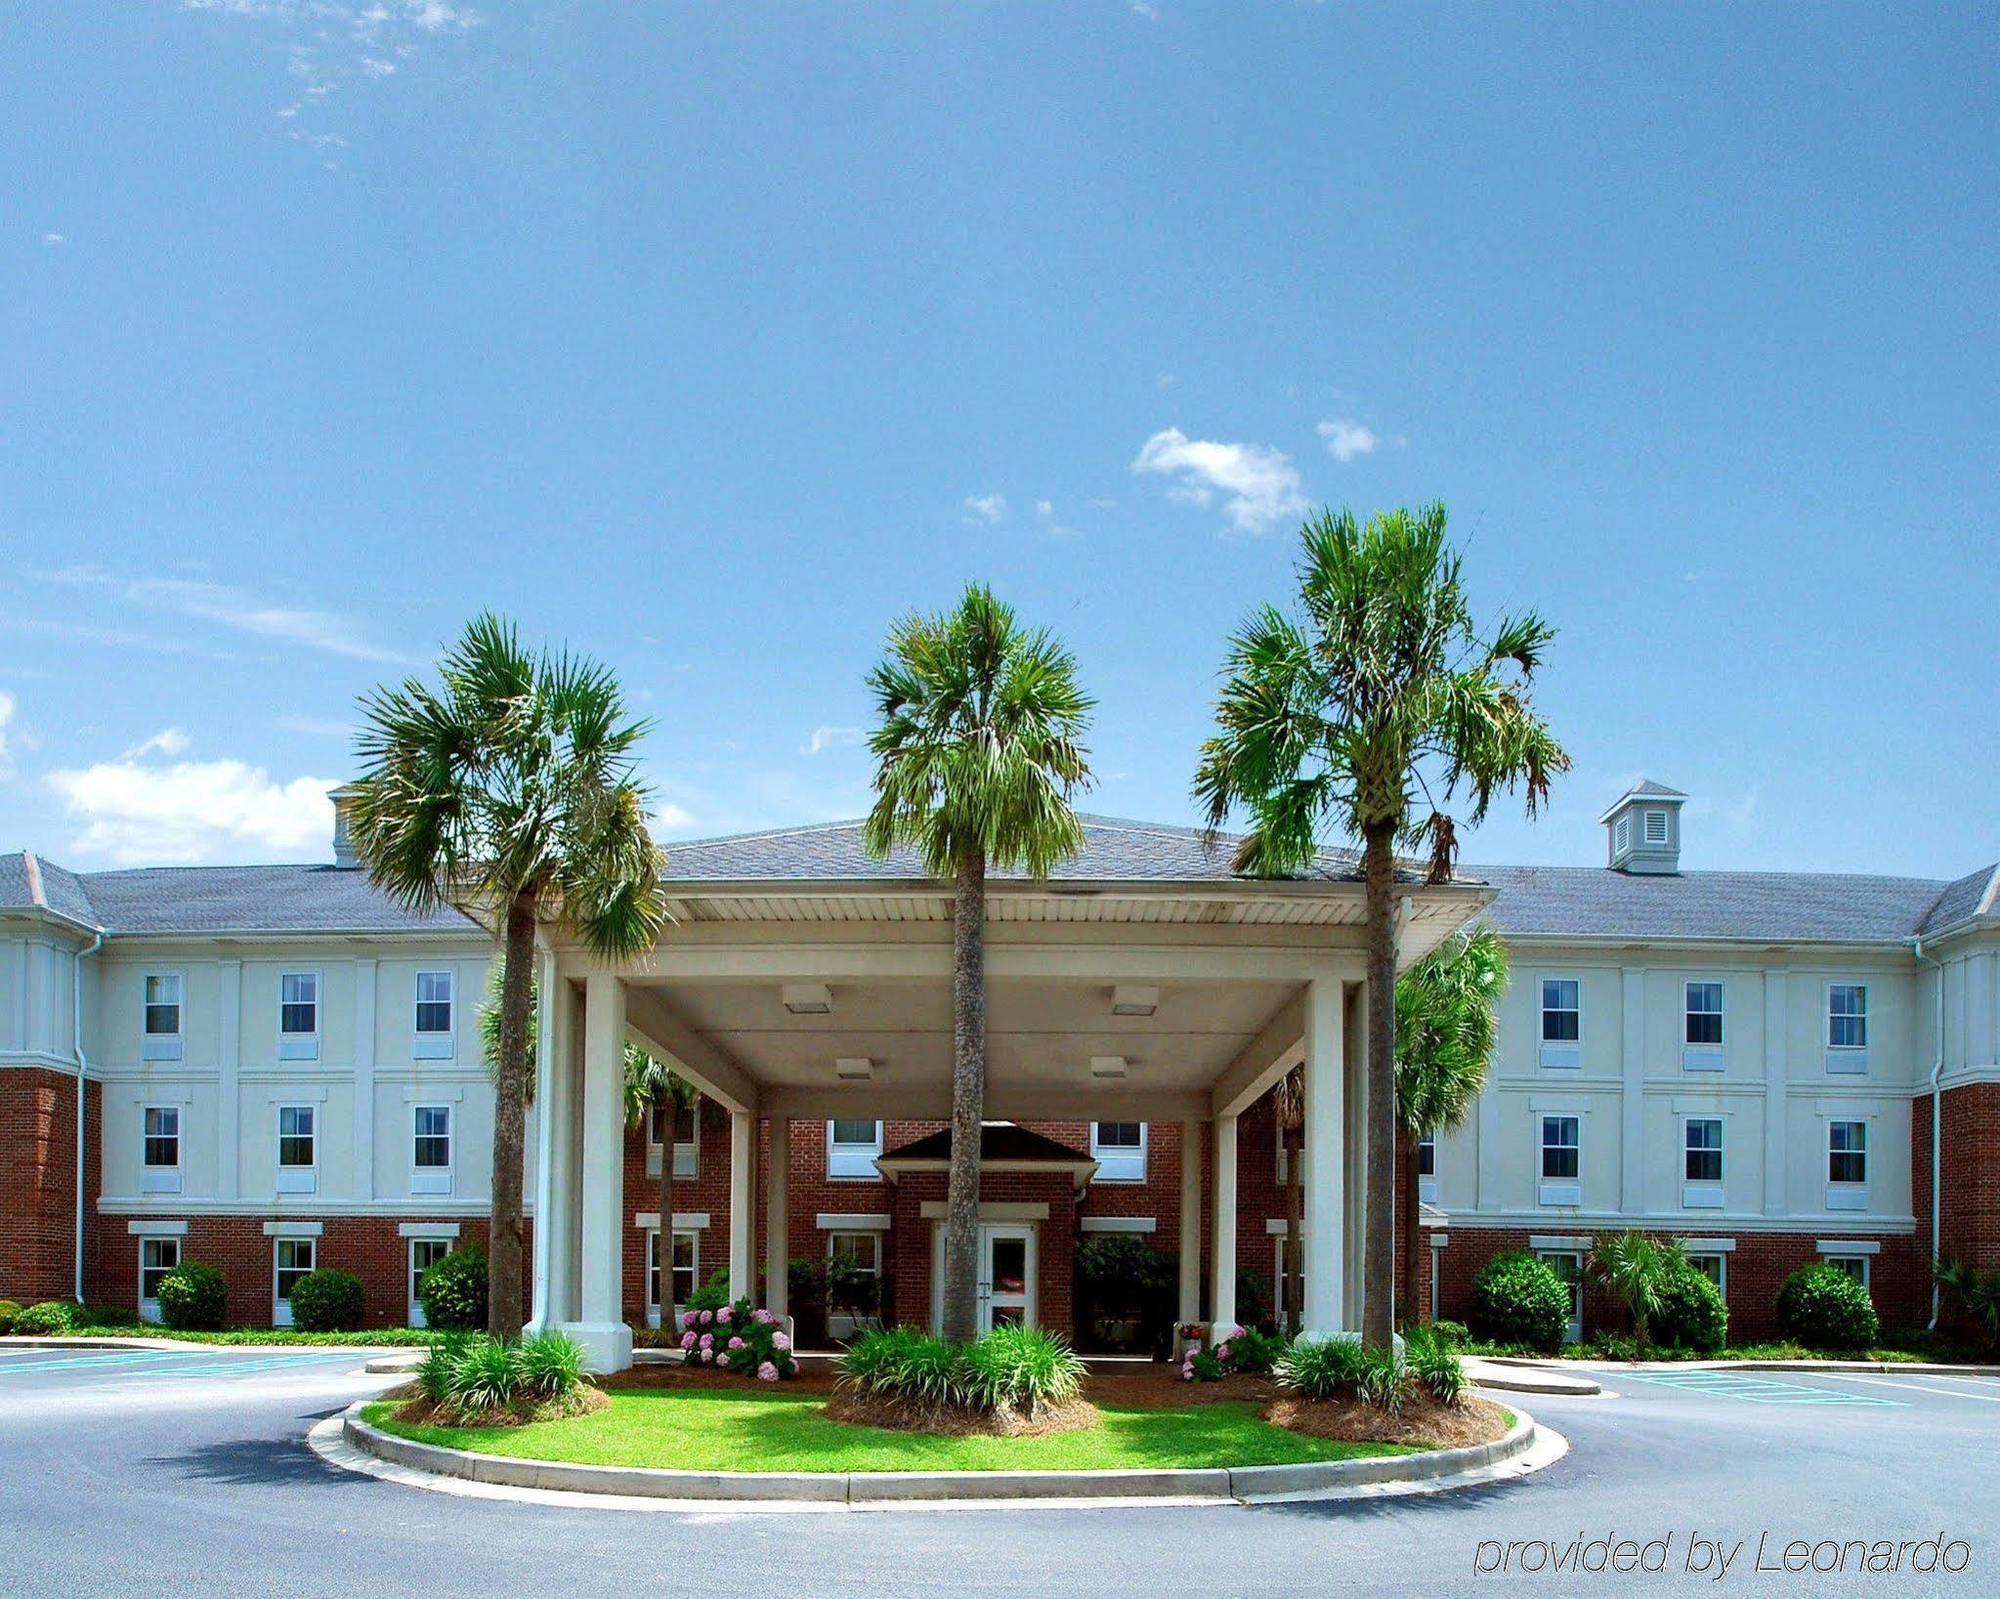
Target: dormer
1643,830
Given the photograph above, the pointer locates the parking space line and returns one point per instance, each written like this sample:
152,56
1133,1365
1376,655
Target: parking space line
1917,1387
1754,1390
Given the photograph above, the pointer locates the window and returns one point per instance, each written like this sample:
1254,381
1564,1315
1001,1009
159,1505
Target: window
430,1153
853,1278
298,1148
684,1269
424,1254
434,1015
1280,1278
1847,1152
1704,1149
1847,1016
1704,1014
1119,1148
1714,1266
683,1123
1656,827
298,1003
157,1257
162,1040
1560,1149
1856,1266
852,1148
295,1257
163,1135
1562,1012
1427,1157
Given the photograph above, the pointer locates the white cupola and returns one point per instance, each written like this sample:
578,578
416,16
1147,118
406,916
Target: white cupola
1643,829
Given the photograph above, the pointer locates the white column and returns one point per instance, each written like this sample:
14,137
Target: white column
602,1328
742,1203
1190,1310
554,1208
777,1220
364,1081
228,1087
1325,1224
1354,1183
1222,1254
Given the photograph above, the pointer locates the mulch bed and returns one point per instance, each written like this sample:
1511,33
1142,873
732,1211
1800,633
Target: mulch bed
420,1412
819,1381
1421,1422
957,1421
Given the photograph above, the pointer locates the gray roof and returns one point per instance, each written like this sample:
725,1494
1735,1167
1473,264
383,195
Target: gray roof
1113,851
1778,907
1962,900
216,899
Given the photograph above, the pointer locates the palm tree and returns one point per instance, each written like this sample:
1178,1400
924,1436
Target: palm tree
509,792
1635,1269
1446,1025
1288,1108
652,1085
1975,1294
977,761
1367,716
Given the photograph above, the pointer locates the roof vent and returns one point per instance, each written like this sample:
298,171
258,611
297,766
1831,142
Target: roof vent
1643,830
343,805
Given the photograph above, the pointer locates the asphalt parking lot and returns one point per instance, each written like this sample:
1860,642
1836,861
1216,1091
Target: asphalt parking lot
186,1473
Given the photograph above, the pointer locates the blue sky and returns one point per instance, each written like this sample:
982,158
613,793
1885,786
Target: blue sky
709,338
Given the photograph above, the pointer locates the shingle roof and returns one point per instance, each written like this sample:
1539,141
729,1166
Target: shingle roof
1972,895
27,882
1778,907
997,1141
1113,851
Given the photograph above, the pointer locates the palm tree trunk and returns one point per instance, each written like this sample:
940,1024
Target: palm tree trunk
510,1121
968,1102
1378,1261
1413,1236
1295,1276
670,1113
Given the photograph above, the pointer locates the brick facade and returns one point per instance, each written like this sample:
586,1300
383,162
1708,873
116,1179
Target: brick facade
38,1158
1970,1228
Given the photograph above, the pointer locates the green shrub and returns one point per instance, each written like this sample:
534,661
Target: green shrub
8,1312
1452,1334
1517,1299
107,1316
1434,1364
453,1292
1690,1314
327,1300
711,1295
52,1318
1018,1368
1253,1299
1615,1346
904,1362
1250,1352
486,1375
193,1298
437,1372
1824,1308
551,1365
1320,1368
736,1337
1382,1378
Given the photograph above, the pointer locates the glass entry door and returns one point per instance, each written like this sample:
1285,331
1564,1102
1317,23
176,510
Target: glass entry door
1006,1276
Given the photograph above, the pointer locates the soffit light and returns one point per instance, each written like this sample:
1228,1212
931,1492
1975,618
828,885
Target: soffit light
1107,1066
808,999
854,1068
1128,999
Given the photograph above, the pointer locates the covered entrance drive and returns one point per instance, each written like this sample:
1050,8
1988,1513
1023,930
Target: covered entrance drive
803,981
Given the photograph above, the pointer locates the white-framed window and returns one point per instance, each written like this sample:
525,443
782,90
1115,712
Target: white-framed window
1856,1266
424,1254
298,1015
1281,1286
161,1036
859,1255
1714,1266
1427,1157
436,1015
157,1257
162,1137
1562,1010
298,1149
292,1258
1702,1149
1704,1015
852,1148
1561,1167
1656,827
1847,1164
430,1149
1567,1264
686,1258
1847,1016
1119,1148
687,1135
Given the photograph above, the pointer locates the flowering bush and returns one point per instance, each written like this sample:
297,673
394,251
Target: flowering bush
738,1337
1241,1351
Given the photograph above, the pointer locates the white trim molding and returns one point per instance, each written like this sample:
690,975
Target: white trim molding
995,1209
294,1229
156,1229
1117,1224
685,1221
852,1221
1560,1241
427,1229
1848,1246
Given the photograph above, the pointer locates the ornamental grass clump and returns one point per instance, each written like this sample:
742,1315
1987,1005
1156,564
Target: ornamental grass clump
551,1365
1382,1378
1433,1365
1012,1369
486,1375
1320,1368
477,1379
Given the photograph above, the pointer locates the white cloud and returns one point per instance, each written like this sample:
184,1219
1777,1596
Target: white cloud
987,508
1259,485
52,238
135,812
1045,509
242,612
1345,439
1146,9
826,738
670,818
168,741
8,706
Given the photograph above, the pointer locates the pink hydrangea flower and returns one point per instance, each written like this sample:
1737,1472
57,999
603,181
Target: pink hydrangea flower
768,1372
687,1340
780,1341
1222,1352
708,1340
762,1317
689,1318
724,1314
736,1343
722,1360
707,1316
707,1355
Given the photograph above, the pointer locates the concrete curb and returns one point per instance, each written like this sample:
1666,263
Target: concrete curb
1483,1373
191,1346
1433,1471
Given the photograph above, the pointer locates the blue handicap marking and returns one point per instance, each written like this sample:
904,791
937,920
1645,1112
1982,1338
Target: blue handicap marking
167,1363
1753,1389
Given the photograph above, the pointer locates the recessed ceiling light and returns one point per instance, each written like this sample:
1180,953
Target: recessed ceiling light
1107,1065
854,1068
808,999
1128,999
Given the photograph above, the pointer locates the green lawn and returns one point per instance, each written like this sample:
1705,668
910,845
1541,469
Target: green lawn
263,1337
757,1430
